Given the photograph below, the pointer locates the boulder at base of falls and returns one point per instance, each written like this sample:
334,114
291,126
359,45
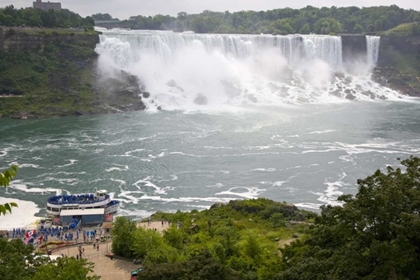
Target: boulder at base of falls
350,96
171,83
201,100
252,98
146,94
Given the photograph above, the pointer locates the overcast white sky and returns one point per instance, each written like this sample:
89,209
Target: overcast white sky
123,9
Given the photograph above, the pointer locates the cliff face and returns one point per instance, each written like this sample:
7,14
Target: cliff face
34,39
353,47
399,64
390,46
47,73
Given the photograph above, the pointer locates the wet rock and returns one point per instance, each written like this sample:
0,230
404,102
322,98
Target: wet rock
146,94
130,90
171,83
80,113
217,205
302,99
339,75
336,93
20,115
159,108
350,96
252,98
201,100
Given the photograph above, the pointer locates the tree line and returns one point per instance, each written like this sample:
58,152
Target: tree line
307,20
29,17
374,235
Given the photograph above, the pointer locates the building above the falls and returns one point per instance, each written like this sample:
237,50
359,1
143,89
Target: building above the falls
45,6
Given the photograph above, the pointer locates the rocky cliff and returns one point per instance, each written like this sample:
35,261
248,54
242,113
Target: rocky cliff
47,73
353,47
35,39
399,63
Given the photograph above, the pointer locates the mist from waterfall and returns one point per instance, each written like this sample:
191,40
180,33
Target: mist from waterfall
213,71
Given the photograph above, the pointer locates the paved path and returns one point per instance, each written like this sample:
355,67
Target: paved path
159,226
104,267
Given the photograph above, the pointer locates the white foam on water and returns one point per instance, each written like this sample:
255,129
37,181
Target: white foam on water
308,205
186,199
28,165
71,162
19,185
124,168
121,182
215,186
146,183
127,196
330,195
247,192
139,214
60,173
322,131
264,169
279,183
21,216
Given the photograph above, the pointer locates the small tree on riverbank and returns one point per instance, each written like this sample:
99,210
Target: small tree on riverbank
5,178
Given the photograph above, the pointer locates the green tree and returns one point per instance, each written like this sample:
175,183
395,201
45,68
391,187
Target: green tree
122,237
5,178
358,29
19,261
375,235
306,29
327,26
64,269
252,247
284,25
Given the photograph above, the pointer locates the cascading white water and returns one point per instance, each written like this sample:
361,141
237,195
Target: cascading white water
204,71
372,44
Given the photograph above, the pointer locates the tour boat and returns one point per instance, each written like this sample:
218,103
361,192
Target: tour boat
97,200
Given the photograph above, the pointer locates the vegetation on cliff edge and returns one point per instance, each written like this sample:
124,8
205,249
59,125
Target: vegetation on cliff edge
374,235
57,79
29,17
307,20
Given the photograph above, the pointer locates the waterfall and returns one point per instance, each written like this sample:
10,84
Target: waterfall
373,43
294,48
188,71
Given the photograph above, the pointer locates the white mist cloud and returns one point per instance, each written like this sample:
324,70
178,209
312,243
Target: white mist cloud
123,9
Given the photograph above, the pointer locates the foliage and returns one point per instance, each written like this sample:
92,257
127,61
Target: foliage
18,261
229,241
199,267
406,29
5,178
281,21
100,16
375,235
66,268
29,17
122,232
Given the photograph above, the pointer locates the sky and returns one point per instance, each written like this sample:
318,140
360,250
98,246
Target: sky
123,9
